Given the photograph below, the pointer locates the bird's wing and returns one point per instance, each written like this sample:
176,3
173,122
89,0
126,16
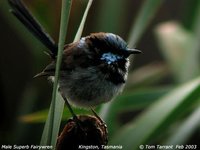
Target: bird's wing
48,71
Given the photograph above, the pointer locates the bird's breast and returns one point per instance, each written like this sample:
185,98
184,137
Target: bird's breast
88,87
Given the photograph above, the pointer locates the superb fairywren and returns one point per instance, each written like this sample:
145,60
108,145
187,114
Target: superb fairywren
93,70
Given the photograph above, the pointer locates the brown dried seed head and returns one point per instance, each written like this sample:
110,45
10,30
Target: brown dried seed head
86,131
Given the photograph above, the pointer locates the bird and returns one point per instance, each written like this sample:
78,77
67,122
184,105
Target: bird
93,70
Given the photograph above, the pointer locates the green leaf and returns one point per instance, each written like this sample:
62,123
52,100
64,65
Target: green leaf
158,117
80,29
146,75
40,116
186,129
177,47
143,19
52,124
130,101
181,48
59,106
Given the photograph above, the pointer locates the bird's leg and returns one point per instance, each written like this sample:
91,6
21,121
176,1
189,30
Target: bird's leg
99,118
70,109
69,106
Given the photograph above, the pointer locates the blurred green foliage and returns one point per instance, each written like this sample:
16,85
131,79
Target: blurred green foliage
161,100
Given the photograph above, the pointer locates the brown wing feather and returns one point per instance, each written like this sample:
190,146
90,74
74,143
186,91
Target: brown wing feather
73,57
67,62
48,71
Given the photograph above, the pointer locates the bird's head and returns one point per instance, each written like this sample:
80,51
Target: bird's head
109,47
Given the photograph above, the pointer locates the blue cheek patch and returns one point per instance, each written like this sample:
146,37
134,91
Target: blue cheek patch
110,57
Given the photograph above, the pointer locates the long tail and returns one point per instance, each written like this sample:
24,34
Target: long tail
22,14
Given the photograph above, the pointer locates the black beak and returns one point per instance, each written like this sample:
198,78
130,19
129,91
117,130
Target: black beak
128,52
133,51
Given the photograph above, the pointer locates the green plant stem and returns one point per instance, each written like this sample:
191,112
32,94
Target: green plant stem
66,5
80,29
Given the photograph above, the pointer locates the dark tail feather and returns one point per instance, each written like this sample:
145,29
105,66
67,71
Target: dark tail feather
22,14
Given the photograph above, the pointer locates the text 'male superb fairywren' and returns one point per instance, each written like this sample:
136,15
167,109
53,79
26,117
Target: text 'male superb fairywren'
93,70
